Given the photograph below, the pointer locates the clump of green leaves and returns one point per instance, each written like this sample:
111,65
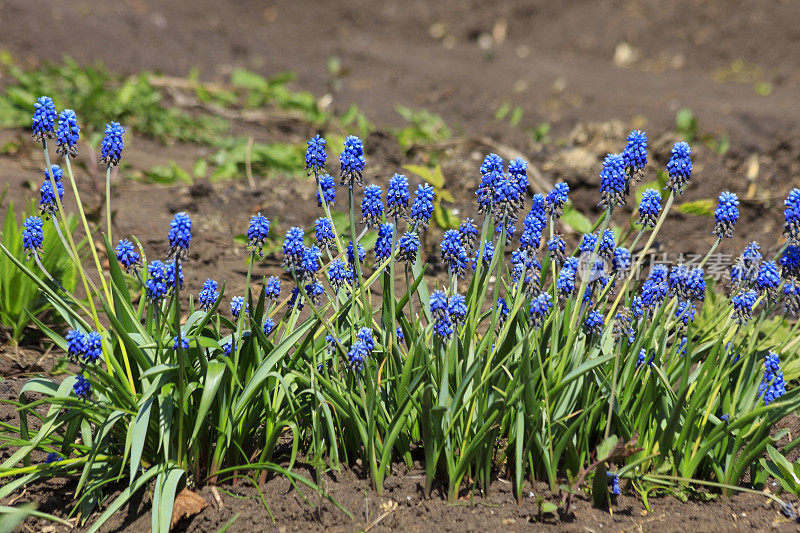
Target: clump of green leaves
20,297
423,127
98,96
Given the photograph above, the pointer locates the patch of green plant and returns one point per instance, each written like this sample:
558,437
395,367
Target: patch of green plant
512,113
540,134
424,127
20,296
230,161
165,174
98,97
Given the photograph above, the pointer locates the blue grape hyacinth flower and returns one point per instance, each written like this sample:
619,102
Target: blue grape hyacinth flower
32,235
93,343
622,260
726,215
76,344
454,254
311,262
112,144
315,155
743,303
44,119
269,325
506,201
357,355
518,173
745,270
422,208
635,154
157,284
767,280
48,203
208,295
533,225
613,482
649,208
383,245
68,133
791,295
237,305
372,205
407,247
184,343
469,233
679,167
328,187
82,388
790,262
314,291
556,198
457,308
791,215
557,248
594,322
397,196
491,163
684,312
127,256
623,321
257,234
565,283
351,258
772,384
613,181
272,289
323,231
438,303
293,249
539,309
180,235
53,457
352,162
339,274
502,311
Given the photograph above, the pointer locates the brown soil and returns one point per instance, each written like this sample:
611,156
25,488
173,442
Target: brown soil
555,60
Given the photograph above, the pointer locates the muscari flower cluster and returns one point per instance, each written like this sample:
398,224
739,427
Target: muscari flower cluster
85,348
68,133
112,144
128,257
635,155
772,384
44,119
48,203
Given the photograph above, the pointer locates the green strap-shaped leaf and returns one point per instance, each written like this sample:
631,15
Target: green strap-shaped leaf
214,375
138,435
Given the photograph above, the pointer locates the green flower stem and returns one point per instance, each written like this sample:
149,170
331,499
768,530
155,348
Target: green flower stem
181,363
108,202
710,252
